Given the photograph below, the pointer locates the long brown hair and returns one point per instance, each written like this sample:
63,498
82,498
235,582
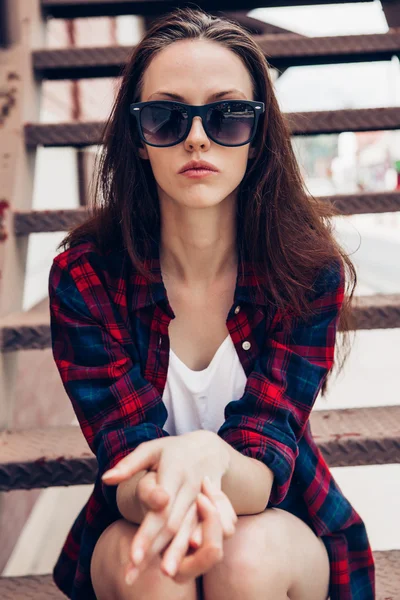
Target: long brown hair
284,231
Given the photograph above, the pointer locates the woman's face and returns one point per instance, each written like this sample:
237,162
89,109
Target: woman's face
196,69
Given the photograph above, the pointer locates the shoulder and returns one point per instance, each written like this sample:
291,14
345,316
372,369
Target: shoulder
69,256
89,276
87,252
330,280
90,282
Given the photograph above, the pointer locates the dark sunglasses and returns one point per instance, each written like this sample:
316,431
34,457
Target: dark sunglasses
165,123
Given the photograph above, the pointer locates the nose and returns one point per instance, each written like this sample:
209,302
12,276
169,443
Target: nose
197,134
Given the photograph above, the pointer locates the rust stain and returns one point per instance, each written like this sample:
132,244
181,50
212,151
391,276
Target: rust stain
8,99
12,75
4,204
338,436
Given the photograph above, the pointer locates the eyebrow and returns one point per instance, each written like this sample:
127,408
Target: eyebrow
181,98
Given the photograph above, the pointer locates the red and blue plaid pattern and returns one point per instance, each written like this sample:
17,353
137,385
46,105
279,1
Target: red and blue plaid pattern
109,329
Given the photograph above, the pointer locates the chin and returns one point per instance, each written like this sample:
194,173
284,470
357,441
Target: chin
199,202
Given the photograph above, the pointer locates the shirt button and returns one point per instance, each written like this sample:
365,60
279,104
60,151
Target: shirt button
160,340
246,345
237,310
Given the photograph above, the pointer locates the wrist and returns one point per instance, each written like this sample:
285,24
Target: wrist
224,450
128,502
216,448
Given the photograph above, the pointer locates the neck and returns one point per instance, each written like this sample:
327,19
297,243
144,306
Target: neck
198,247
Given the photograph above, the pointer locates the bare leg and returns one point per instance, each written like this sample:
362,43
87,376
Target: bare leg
109,563
271,556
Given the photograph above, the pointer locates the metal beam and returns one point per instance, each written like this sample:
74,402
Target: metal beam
69,9
281,51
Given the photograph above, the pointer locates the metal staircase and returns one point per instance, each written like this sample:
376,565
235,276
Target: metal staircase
60,456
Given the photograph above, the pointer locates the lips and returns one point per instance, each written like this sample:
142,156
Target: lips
197,169
198,173
198,165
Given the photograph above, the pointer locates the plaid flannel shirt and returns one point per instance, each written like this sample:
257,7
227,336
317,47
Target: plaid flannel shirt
109,329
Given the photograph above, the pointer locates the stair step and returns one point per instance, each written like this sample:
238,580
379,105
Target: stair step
30,587
30,330
40,221
282,51
45,457
42,587
358,436
299,123
69,9
57,456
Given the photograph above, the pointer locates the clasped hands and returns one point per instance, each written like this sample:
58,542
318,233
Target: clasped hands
182,505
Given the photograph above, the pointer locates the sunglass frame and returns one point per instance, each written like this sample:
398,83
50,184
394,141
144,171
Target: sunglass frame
201,110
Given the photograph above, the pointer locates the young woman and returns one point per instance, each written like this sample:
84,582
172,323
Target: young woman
194,319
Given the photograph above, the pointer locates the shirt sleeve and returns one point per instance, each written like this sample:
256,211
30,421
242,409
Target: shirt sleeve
97,359
268,421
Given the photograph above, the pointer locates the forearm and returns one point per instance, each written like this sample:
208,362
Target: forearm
127,502
247,483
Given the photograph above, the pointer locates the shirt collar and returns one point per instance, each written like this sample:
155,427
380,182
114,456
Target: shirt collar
145,293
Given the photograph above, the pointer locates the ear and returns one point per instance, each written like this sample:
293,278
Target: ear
142,151
252,153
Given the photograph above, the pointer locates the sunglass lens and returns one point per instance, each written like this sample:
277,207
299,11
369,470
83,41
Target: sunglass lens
231,123
163,125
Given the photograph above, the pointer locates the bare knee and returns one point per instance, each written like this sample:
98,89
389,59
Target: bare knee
109,564
254,560
273,555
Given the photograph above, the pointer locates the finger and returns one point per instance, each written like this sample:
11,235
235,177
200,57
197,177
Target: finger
151,525
150,493
146,535
183,501
180,544
223,504
173,481
145,456
197,537
213,490
211,552
174,522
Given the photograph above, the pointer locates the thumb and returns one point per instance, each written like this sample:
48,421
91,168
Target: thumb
150,493
145,456
196,538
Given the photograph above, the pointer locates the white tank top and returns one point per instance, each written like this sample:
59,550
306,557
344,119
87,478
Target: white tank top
197,399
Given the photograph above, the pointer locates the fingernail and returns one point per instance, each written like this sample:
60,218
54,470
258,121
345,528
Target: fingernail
138,556
170,567
207,480
111,473
131,576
